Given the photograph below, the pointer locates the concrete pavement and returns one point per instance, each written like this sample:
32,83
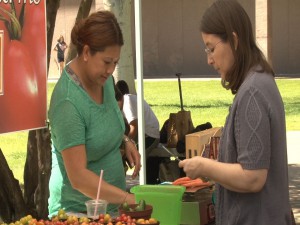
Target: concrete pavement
293,145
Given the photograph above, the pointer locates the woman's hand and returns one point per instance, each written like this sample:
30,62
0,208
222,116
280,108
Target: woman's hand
133,157
231,176
192,167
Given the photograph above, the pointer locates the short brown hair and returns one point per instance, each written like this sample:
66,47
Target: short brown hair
98,31
223,18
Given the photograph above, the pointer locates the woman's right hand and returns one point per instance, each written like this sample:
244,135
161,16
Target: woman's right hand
133,157
191,166
130,199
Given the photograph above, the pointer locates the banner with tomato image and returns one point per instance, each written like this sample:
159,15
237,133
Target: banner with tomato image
23,67
1,67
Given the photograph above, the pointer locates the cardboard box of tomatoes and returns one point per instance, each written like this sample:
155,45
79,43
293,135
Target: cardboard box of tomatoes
198,207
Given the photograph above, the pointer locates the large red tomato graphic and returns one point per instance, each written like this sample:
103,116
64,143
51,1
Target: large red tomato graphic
20,105
23,105
35,37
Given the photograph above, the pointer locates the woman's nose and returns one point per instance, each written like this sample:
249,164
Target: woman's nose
111,68
210,60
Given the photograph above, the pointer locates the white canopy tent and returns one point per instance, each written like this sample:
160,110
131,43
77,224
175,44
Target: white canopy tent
140,87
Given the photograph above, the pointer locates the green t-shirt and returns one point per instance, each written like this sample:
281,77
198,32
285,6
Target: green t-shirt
75,119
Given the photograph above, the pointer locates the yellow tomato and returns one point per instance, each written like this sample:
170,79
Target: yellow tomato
152,221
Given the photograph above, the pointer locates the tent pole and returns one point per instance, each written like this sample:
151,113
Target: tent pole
140,88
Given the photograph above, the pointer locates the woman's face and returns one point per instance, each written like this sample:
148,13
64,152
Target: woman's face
219,53
101,65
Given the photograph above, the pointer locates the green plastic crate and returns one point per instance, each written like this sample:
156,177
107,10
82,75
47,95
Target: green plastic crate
165,199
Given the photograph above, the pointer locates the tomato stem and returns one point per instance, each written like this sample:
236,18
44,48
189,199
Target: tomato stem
13,26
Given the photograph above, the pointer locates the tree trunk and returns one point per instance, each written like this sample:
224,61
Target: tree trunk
125,69
44,171
83,12
37,172
38,162
12,205
30,172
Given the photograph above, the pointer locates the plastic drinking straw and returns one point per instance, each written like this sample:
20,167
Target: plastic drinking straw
98,193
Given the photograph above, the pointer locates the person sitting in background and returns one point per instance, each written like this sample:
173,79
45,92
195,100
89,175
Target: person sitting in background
130,112
151,129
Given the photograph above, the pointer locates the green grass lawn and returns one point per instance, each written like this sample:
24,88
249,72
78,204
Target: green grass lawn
207,101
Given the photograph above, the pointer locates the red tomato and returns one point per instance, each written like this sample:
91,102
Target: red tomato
35,37
124,218
20,103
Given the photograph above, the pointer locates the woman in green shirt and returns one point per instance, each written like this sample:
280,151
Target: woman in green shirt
87,126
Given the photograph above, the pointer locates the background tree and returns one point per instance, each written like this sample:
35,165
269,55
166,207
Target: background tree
83,12
124,70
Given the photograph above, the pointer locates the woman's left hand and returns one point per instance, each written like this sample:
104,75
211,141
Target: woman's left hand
133,157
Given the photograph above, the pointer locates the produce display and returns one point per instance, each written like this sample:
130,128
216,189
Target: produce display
62,218
140,207
137,211
191,183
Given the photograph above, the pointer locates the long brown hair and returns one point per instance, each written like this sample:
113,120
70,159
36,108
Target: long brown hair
98,31
223,18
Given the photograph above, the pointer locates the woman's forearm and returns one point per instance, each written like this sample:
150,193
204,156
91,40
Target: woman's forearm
230,175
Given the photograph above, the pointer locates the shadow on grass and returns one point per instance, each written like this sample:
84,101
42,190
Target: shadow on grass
219,105
294,184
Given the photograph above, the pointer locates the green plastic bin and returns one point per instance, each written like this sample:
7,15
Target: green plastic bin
165,199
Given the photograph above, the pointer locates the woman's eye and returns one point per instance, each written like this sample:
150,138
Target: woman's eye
110,62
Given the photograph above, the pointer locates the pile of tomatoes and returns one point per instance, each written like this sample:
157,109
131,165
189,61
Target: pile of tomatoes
120,220
74,220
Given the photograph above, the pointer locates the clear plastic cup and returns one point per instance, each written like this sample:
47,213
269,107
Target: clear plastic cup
99,205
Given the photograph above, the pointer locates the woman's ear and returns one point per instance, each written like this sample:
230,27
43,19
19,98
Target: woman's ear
236,40
85,52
